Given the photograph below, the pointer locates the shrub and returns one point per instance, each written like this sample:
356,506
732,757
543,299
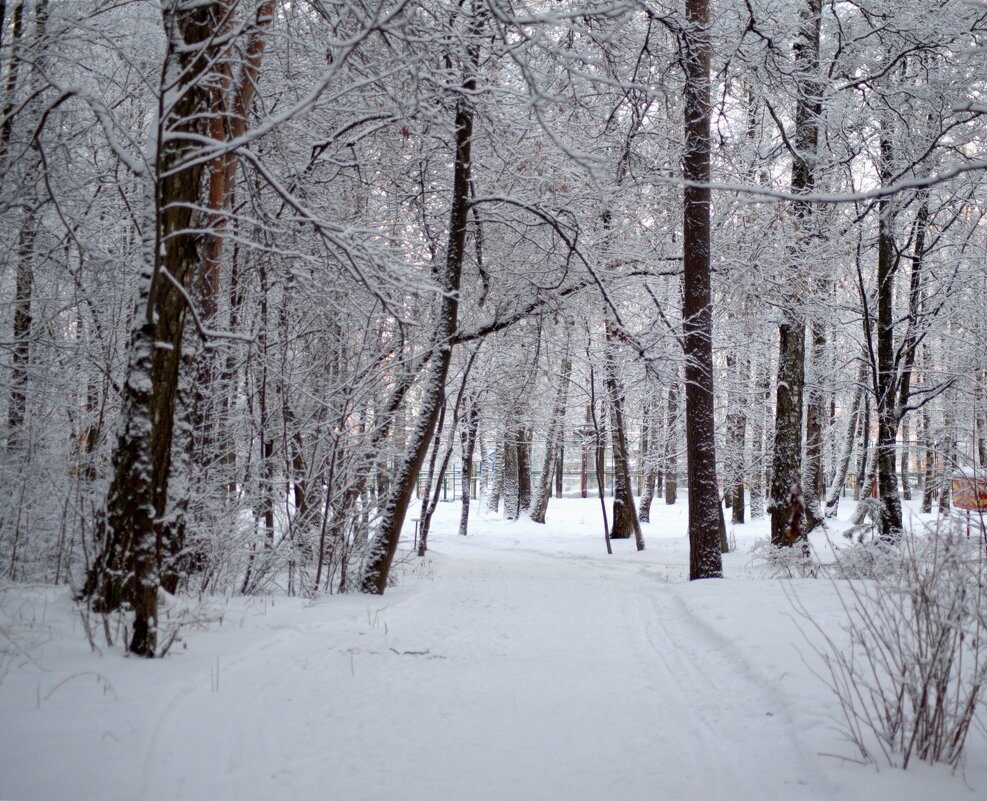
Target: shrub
909,680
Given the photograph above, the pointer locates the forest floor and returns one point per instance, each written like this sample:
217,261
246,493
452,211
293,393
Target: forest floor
520,663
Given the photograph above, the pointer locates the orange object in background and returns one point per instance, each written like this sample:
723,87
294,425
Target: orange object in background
969,492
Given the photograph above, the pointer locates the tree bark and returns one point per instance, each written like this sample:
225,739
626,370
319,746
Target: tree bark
786,505
815,416
556,432
671,446
649,465
762,392
705,559
395,508
127,567
736,434
846,454
468,438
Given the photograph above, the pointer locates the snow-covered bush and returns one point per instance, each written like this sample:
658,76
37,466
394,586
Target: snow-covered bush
910,677
784,562
871,559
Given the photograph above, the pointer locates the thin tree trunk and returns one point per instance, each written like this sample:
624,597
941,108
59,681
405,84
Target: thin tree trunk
21,356
556,432
496,485
671,446
929,459
762,393
906,487
426,490
846,453
523,440
948,451
815,415
396,505
649,464
469,445
736,431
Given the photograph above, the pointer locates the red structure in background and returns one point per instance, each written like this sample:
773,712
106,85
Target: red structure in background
969,492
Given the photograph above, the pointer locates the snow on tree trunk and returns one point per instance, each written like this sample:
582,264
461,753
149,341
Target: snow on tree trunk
127,567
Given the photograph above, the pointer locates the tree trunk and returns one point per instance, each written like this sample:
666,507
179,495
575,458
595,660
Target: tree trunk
21,356
705,559
671,446
815,415
786,505
649,464
496,480
556,433
424,516
512,490
127,567
736,434
395,507
885,368
762,393
523,441
468,438
846,454
906,487
929,459
624,521
948,451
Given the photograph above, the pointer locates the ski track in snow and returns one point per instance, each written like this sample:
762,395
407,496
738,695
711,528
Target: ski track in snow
519,664
565,705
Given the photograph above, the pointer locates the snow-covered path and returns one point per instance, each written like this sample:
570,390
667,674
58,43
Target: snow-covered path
509,666
510,676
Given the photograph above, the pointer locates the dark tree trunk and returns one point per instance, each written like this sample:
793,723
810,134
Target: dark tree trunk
512,490
815,416
624,522
468,438
786,505
671,446
948,452
929,459
429,504
523,442
705,559
127,568
425,515
21,356
906,487
762,392
893,368
886,374
649,447
395,508
736,434
553,442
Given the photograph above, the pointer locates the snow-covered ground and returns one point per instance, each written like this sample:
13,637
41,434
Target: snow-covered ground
518,663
